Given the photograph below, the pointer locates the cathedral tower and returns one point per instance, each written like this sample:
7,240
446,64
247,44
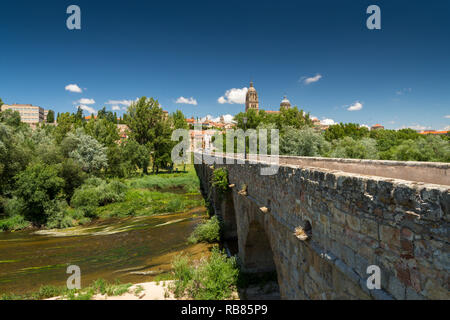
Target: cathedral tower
251,99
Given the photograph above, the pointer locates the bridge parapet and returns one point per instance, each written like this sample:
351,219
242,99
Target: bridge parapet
357,221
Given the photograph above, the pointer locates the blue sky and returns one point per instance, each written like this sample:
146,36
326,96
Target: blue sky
398,75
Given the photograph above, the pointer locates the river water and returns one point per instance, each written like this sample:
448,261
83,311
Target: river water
134,249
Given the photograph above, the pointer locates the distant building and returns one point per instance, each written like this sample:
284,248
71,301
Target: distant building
285,104
377,127
28,113
315,121
251,98
221,124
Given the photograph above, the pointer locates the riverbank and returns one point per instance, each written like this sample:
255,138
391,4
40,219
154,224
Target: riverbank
158,290
154,290
131,250
96,200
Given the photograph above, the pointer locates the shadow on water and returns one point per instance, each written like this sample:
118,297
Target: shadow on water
134,249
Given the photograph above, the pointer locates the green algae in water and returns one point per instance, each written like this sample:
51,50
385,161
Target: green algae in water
8,261
55,266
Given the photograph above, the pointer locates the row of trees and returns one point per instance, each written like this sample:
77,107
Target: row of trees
42,171
299,137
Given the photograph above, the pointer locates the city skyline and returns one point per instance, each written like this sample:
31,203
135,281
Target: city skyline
200,58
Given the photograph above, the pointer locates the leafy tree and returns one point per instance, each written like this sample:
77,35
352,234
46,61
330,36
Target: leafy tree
179,121
137,155
14,156
66,122
1,102
37,187
10,118
73,176
253,119
88,152
293,117
162,147
45,147
107,115
341,130
50,116
78,116
149,128
142,117
430,148
305,142
103,130
348,147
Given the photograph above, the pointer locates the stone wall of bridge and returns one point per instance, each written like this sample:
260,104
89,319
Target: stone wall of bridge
356,221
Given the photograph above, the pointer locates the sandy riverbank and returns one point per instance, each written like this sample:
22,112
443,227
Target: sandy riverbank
140,291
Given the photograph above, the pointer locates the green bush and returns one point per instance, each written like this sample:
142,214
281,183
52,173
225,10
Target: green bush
96,192
208,231
15,206
305,142
214,278
12,223
57,215
348,147
37,186
220,180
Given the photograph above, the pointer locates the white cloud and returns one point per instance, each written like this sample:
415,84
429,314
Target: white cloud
327,122
222,100
121,102
233,95
115,108
86,101
73,88
310,80
355,106
184,100
87,108
228,118
447,128
403,91
447,116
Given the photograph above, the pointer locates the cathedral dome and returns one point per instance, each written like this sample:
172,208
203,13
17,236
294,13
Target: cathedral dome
285,103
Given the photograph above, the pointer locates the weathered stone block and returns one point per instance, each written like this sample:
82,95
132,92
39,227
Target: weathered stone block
390,235
353,222
370,227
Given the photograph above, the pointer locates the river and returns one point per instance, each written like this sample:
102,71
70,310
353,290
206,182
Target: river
134,249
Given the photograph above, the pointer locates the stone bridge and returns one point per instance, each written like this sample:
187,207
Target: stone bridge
319,223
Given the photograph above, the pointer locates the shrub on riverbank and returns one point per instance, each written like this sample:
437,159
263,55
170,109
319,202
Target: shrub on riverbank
188,182
13,223
208,231
213,278
96,192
